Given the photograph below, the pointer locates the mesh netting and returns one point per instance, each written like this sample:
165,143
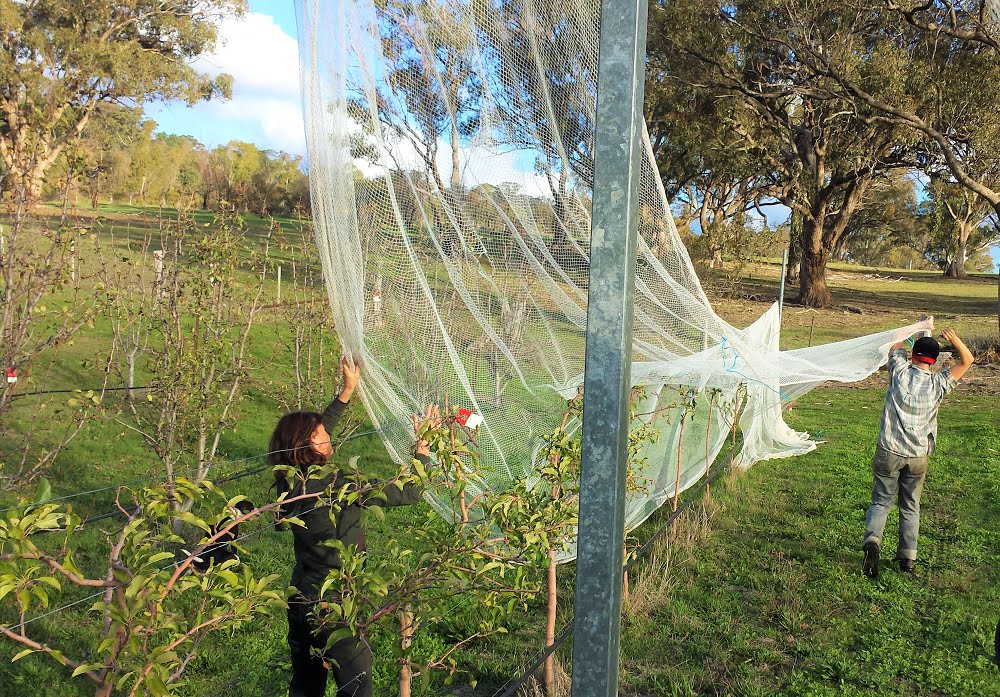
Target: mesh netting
450,155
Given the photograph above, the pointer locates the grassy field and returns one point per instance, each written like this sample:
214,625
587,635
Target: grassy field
761,594
771,600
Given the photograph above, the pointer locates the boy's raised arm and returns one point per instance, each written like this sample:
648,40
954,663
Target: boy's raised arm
964,354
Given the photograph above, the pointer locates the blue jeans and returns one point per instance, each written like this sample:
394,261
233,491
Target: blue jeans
898,479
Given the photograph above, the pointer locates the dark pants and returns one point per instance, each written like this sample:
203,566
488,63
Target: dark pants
350,659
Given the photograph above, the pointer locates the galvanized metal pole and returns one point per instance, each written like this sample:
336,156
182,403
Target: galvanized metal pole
607,381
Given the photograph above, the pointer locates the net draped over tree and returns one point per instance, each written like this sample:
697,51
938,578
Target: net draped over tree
451,163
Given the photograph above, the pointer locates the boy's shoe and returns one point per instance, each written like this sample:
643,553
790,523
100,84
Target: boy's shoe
906,566
869,567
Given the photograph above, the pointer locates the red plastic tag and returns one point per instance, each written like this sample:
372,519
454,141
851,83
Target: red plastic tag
468,419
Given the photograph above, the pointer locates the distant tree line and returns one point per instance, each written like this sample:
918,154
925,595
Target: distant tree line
830,110
121,159
72,73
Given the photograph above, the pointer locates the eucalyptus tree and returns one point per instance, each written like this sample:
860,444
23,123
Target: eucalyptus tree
938,77
60,59
956,227
819,158
429,96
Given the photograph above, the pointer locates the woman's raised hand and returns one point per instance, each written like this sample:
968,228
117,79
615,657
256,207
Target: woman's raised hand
351,376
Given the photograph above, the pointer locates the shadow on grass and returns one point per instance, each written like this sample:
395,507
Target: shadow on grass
917,292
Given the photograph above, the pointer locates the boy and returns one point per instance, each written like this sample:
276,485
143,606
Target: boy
906,439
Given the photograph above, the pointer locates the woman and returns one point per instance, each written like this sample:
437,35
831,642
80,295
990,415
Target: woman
302,440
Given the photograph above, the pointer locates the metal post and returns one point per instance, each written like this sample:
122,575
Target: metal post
607,382
279,284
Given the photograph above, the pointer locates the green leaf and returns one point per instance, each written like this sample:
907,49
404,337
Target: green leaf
155,684
228,576
167,657
192,519
44,492
21,654
159,556
339,635
49,581
42,596
294,521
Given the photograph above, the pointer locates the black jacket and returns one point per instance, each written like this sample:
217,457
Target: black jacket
313,559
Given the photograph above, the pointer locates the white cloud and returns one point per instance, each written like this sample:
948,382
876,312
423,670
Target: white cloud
265,107
276,123
482,166
477,165
260,56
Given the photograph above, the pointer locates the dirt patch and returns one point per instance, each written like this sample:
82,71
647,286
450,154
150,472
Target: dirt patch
982,379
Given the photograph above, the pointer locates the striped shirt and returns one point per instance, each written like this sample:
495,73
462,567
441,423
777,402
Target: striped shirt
909,417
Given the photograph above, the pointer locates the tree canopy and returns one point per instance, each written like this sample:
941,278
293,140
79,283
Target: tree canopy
60,59
821,106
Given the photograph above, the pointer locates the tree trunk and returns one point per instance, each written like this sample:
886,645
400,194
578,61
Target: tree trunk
405,671
998,299
456,174
550,628
794,248
560,212
130,358
21,184
815,255
716,262
956,269
812,282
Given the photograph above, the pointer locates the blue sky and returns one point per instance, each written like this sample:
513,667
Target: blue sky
261,53
283,12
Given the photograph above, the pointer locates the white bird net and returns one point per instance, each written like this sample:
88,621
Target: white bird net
450,155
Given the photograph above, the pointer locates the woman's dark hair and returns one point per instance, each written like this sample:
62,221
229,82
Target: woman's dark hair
291,445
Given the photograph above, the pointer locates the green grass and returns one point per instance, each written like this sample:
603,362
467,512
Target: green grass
770,602
774,602
156,212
